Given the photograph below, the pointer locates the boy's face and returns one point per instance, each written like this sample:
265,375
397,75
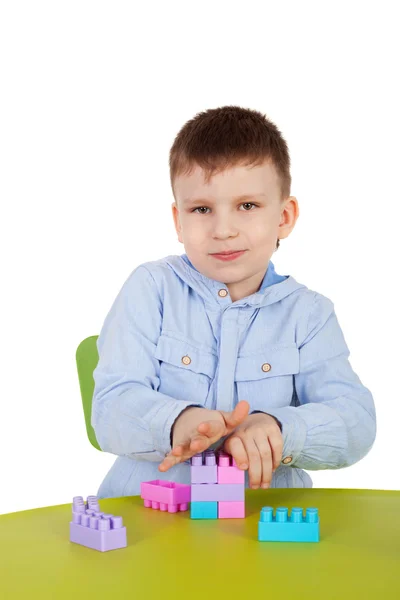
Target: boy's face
239,209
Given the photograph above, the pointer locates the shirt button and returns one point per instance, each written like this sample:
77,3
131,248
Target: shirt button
222,293
266,367
186,360
287,460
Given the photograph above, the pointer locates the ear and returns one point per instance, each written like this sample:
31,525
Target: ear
177,223
289,216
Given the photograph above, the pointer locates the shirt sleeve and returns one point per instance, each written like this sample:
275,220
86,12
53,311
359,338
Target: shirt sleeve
334,424
129,416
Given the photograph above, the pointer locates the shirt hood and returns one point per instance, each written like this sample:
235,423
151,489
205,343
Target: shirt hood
273,288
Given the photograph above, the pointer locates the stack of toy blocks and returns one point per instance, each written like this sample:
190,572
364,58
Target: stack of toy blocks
94,529
217,487
297,528
165,495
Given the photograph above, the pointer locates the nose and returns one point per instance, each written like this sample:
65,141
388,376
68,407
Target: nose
223,227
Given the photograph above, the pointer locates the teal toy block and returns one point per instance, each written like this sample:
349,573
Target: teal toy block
280,528
204,510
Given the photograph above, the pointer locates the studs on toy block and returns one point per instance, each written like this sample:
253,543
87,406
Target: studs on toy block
297,528
94,529
165,495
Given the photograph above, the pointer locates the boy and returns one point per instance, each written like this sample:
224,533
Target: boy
213,347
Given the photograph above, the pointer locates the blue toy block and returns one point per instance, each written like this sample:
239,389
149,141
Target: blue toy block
297,528
204,510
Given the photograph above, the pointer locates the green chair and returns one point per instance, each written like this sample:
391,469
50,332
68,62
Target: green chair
87,358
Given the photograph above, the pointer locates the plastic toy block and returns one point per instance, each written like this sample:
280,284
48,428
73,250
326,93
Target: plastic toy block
203,468
231,510
228,472
165,495
91,528
204,510
215,492
297,528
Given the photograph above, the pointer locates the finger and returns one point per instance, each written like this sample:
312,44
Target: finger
212,429
276,443
265,452
236,416
234,446
182,452
255,467
199,443
172,459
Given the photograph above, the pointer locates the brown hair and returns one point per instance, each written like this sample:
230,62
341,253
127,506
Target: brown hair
227,136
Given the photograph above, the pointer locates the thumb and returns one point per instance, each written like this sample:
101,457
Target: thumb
236,416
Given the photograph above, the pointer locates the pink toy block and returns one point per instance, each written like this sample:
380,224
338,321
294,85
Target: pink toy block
231,510
228,472
91,528
165,495
215,492
204,471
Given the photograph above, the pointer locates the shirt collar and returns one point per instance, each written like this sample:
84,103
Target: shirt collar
270,277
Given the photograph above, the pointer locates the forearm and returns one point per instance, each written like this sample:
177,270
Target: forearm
135,421
330,435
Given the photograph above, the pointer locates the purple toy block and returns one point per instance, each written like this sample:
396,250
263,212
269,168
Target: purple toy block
231,510
94,529
165,495
228,472
203,471
215,492
203,474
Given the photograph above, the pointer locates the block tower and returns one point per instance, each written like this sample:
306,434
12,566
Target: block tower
217,487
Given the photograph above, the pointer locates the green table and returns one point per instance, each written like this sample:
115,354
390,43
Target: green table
172,556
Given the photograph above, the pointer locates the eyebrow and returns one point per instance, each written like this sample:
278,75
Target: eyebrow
243,197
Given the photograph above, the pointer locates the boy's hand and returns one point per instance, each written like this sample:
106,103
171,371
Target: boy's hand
257,444
197,428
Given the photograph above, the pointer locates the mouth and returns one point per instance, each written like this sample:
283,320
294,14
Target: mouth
224,252
228,254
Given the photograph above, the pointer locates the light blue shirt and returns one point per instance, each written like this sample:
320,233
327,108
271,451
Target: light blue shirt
281,349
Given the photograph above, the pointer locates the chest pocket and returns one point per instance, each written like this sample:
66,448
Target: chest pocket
186,371
265,379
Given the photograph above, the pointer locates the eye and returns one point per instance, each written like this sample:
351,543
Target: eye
244,204
249,204
199,208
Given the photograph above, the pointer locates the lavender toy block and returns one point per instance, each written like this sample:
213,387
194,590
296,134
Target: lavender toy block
204,468
295,529
228,472
165,495
94,529
231,510
215,492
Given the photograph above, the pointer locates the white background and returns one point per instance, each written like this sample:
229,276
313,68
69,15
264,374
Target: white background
92,95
